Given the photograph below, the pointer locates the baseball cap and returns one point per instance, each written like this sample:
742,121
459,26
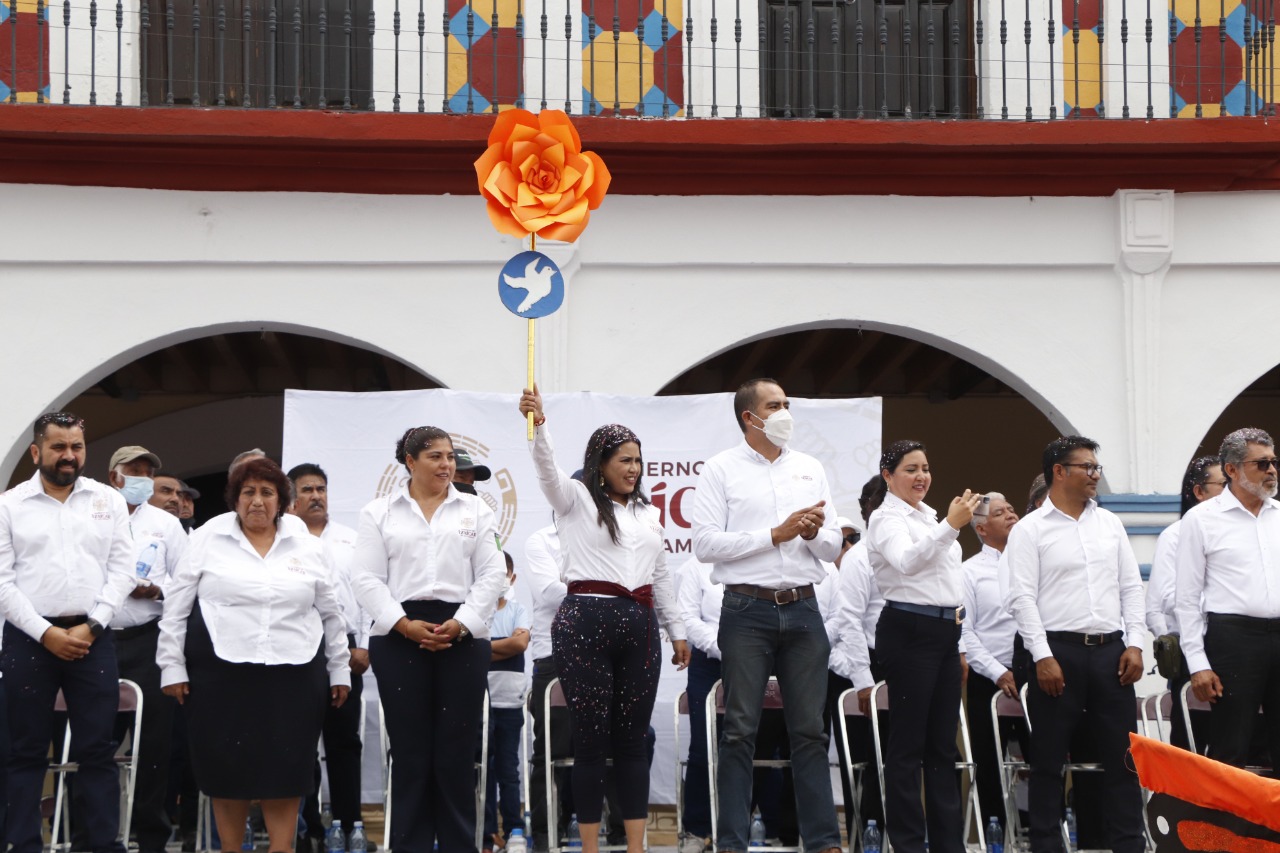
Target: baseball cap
844,521
194,494
129,454
466,463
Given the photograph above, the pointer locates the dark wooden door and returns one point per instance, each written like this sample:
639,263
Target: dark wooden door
312,53
866,59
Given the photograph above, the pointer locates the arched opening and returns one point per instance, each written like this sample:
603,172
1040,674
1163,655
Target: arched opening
198,402
982,434
1258,405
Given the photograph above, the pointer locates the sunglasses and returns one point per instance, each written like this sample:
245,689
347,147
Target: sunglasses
1262,464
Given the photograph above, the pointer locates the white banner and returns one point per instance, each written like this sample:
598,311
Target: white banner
353,436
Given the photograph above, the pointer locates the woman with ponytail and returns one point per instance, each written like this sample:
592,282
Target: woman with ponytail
428,572
916,560
605,637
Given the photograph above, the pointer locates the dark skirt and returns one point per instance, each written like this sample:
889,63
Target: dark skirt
253,727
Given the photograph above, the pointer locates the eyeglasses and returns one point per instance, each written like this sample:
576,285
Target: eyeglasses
1262,464
852,538
1090,469
1214,483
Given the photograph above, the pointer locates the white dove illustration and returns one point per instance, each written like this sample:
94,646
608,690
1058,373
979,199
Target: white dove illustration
536,283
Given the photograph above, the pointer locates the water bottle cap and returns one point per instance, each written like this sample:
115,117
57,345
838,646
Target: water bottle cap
871,823
516,832
358,823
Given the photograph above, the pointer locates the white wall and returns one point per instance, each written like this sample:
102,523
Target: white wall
1043,292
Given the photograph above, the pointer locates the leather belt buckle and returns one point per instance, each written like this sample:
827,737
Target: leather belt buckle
960,615
1095,639
784,596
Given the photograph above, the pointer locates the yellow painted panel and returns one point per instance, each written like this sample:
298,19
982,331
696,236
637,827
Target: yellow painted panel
507,11
634,70
1210,11
1087,68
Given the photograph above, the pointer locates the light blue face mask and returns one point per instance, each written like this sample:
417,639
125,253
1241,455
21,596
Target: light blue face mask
137,490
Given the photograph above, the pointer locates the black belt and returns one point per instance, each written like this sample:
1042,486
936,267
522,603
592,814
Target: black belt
1258,623
126,634
777,596
1084,639
951,614
66,621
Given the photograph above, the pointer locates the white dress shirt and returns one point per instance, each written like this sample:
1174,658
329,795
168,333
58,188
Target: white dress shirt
699,599
1163,583
149,526
341,542
1228,562
915,557
71,558
825,593
741,497
988,628
637,559
859,602
544,572
400,556
272,609
1083,572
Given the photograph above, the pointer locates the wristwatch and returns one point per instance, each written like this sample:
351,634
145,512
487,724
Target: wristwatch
463,633
96,628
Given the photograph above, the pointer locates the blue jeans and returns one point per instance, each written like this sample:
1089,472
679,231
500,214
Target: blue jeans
505,725
759,638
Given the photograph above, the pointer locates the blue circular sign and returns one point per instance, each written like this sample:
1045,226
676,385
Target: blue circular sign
531,285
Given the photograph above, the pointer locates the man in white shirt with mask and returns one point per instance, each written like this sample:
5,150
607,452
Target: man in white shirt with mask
1228,598
66,567
763,517
159,543
988,632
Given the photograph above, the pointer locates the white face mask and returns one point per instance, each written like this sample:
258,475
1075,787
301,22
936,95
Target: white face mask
506,587
777,427
137,490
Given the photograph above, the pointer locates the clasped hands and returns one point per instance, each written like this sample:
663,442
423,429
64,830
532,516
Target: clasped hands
804,523
428,635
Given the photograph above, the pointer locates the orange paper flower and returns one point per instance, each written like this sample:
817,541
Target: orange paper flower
536,178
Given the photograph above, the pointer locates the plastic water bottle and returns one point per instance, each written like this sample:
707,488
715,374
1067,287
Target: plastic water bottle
146,559
334,840
358,843
247,844
757,832
1071,829
871,838
995,836
515,844
574,834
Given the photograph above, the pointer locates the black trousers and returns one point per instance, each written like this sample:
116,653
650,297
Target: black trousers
343,756
607,653
922,670
544,672
1092,695
862,747
982,740
136,651
32,678
1245,654
433,703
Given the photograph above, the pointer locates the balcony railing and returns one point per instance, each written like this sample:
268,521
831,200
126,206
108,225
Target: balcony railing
904,59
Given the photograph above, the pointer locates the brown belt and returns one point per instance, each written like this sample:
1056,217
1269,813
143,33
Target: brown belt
777,596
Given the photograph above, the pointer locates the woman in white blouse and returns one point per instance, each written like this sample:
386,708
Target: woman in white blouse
428,572
605,637
916,561
251,624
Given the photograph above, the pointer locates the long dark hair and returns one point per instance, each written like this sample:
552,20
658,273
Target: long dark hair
1197,475
890,459
601,447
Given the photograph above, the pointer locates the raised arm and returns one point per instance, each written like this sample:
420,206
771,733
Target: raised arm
560,490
